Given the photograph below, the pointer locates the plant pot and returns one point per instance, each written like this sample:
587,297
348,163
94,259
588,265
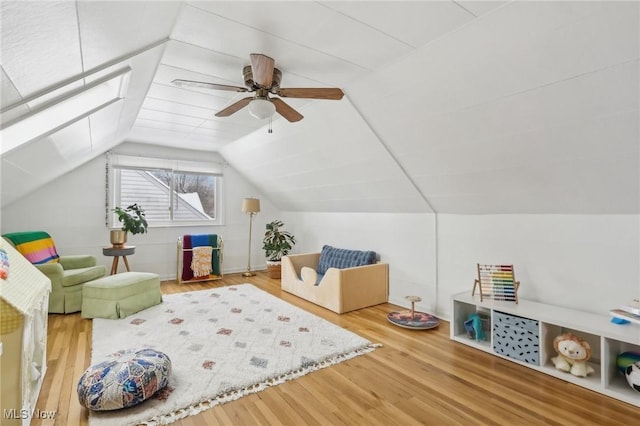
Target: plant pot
273,269
118,237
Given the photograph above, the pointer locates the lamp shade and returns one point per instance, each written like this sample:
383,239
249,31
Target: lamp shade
261,108
250,205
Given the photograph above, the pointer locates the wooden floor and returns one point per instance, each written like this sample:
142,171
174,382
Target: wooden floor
417,377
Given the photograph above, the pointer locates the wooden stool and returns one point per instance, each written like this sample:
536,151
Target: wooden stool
116,252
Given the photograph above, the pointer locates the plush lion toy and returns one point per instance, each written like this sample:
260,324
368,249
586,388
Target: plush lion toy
573,354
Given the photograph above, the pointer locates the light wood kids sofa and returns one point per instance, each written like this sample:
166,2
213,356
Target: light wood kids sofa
340,280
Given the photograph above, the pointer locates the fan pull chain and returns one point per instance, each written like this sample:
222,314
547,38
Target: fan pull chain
270,128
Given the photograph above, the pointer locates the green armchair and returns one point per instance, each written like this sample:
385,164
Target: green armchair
67,273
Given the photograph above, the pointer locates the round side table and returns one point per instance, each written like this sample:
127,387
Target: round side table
116,252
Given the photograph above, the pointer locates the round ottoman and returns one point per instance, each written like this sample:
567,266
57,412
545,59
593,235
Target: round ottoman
126,379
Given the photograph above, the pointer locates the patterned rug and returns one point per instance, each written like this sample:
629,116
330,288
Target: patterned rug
224,343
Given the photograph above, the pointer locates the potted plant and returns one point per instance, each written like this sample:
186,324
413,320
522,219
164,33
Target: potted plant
133,220
276,243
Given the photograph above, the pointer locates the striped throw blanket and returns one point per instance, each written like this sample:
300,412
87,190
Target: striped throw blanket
36,246
199,240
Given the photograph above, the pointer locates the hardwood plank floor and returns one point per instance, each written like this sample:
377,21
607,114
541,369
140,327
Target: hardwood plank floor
417,377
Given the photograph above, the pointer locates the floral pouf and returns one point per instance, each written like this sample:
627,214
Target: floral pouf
125,379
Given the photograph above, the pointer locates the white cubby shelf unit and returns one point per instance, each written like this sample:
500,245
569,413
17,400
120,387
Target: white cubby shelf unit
606,339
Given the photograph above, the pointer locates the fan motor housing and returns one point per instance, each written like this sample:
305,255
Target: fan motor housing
247,73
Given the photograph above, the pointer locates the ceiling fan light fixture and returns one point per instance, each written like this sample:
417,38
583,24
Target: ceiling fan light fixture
263,78
261,108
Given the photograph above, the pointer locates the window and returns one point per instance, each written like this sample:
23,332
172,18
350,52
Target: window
171,193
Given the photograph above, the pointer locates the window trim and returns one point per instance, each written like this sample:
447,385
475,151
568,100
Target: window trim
118,162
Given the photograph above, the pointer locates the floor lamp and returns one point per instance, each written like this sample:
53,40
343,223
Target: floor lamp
250,206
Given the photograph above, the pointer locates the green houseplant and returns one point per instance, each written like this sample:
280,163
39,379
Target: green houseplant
133,220
276,243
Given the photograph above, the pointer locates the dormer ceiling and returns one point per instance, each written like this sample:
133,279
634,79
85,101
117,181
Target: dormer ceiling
463,107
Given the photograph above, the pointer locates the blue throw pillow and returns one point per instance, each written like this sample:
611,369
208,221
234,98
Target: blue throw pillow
331,257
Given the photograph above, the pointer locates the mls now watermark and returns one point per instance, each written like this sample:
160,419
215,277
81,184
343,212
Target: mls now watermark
14,414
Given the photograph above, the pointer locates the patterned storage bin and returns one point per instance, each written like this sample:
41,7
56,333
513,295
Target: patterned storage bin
516,337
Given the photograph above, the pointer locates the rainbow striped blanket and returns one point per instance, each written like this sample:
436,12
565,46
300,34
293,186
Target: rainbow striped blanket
36,246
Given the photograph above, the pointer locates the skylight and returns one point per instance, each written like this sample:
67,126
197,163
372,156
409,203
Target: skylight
65,109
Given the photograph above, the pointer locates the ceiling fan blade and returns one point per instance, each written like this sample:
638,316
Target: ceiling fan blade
262,66
234,107
286,111
203,85
311,93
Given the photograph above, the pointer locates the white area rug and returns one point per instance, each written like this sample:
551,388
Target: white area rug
224,343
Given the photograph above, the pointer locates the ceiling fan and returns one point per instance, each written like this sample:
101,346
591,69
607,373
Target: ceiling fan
263,78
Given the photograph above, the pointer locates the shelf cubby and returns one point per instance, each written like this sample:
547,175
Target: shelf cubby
606,339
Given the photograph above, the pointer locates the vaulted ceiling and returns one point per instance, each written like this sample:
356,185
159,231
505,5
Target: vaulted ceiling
463,107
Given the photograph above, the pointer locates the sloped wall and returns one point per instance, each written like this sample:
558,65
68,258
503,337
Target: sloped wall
588,262
71,209
532,108
331,161
59,46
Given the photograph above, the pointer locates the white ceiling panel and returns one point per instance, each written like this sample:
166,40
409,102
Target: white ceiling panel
209,137
163,125
217,135
165,74
569,188
144,65
356,43
355,172
561,97
290,20
311,25
8,91
318,26
206,99
469,106
176,108
73,141
413,22
40,45
222,129
148,114
580,139
9,96
174,139
224,36
578,100
460,70
111,29
480,7
181,59
104,135
218,67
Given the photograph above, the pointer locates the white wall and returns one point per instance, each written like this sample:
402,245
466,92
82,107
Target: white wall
587,262
72,210
404,240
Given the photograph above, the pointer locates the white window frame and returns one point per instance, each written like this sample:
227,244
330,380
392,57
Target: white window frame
118,162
